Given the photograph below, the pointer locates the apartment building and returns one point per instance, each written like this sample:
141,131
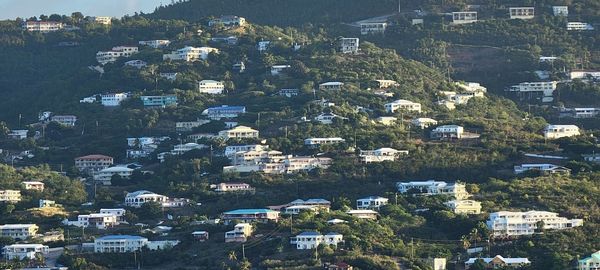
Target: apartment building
42,26
402,105
93,163
18,231
250,215
232,187
9,195
105,57
505,223
535,90
239,132
104,176
590,263
579,26
190,54
315,142
371,28
24,251
348,45
65,120
560,131
211,87
371,202
311,240
431,187
100,221
523,13
129,243
560,11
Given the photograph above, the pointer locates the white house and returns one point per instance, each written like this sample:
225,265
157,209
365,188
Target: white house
560,131
157,43
190,54
228,21
431,187
105,57
543,90
382,84
239,132
560,11
371,202
171,76
10,195
232,149
104,20
263,45
468,207
211,87
100,221
423,122
331,86
463,17
129,243
138,198
105,175
368,28
402,105
24,251
33,185
117,212
579,26
584,74
65,120
505,223
18,231
595,157
348,45
447,132
232,187
327,118
224,111
380,155
499,262
523,13
114,99
42,26
240,233
322,141
590,263
139,64
189,125
363,214
311,240
18,134
277,70
544,168
386,120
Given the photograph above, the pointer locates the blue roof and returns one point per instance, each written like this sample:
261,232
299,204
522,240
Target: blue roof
121,237
249,211
227,108
309,234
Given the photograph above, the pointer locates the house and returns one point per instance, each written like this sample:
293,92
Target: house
117,212
523,13
289,92
93,163
198,136
584,74
402,105
138,198
272,162
464,17
232,187
105,57
451,99
129,243
190,54
423,122
256,157
431,187
371,202
9,195
327,118
306,164
331,86
311,240
579,26
560,131
240,233
544,168
579,112
299,205
65,120
139,64
447,132
18,231
468,207
277,70
200,236
18,134
189,125
315,142
42,26
590,263
229,40
211,87
380,155
250,215
171,76
104,176
505,223
363,214
33,185
560,11
228,21
348,45
263,45
499,262
224,111
24,251
382,84
592,158
46,203
159,101
239,132
539,90
156,44
100,221
231,150
386,120
104,20
369,28
114,99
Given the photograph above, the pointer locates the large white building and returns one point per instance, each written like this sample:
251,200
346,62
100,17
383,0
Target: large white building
311,240
211,87
431,187
138,198
93,163
380,155
240,233
129,243
505,223
560,11
402,105
233,149
314,142
157,43
579,26
468,207
104,20
99,220
371,202
560,131
447,132
369,28
499,262
105,57
18,231
24,251
463,17
190,54
348,45
331,86
9,195
543,90
42,26
104,176
523,13
239,132
423,122
543,167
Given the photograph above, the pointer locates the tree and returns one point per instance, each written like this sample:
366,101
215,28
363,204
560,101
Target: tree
150,210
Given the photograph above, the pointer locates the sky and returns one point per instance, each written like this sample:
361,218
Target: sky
10,9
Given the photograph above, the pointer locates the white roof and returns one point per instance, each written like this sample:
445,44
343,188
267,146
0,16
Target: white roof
117,169
506,260
336,221
332,83
561,126
361,212
15,226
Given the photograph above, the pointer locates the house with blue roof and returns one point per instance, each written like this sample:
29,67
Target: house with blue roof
224,111
250,215
129,243
590,263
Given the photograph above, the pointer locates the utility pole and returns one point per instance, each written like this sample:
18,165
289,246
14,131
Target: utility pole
244,251
399,11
